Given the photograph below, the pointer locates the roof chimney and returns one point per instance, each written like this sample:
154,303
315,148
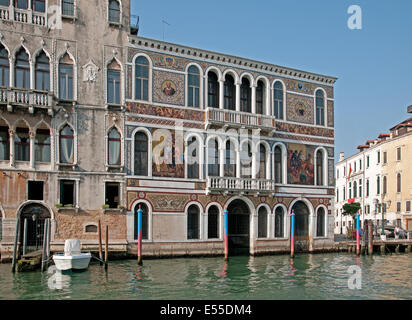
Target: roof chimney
341,156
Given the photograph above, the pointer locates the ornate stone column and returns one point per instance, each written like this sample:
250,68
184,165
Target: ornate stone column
237,96
253,87
11,135
32,135
221,94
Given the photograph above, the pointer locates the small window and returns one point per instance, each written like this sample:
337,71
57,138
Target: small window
39,5
398,154
91,228
320,108
398,207
68,8
21,4
67,192
367,162
35,190
112,195
408,206
398,183
22,144
114,11
379,157
385,157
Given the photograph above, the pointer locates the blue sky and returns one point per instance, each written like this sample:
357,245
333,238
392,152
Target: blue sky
374,65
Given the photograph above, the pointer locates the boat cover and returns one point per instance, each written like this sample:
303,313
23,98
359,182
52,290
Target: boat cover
72,247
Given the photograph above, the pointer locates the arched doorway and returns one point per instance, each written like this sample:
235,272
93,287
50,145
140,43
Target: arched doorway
239,228
302,217
145,221
33,215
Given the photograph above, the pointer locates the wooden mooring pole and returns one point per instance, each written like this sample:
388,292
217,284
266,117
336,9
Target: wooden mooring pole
370,238
25,237
292,233
139,236
16,239
99,230
106,252
226,235
358,234
44,251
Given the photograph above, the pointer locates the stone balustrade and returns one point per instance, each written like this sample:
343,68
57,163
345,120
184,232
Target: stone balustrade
23,15
240,184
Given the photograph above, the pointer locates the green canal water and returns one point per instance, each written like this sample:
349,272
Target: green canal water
319,276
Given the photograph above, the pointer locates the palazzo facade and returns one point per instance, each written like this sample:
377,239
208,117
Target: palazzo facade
96,121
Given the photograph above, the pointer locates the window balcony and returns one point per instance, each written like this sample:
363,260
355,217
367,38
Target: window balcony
223,117
23,15
26,98
226,184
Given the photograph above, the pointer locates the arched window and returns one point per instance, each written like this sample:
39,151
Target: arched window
262,162
320,108
114,11
193,158
193,218
262,222
4,142
22,144
230,159
319,168
4,67
398,183
42,145
245,100
213,223
278,100
66,145
212,90
246,161
320,225
213,158
142,79
260,97
193,90
22,71
42,72
278,165
145,221
279,222
66,78
113,83
141,154
230,92
114,147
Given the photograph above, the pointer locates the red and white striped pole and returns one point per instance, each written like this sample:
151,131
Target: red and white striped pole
139,232
226,235
292,234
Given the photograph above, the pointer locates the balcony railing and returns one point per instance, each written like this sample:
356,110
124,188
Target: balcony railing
23,15
223,116
26,97
240,184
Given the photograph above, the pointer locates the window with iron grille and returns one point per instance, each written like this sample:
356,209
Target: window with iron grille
68,8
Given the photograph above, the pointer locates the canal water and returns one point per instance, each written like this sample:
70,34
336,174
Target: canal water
318,276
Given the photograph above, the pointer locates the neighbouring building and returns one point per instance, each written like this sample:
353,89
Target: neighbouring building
96,121
380,180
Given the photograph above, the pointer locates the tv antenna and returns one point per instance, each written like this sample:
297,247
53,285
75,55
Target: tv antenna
164,23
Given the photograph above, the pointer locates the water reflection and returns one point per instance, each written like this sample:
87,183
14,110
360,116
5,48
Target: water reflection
320,276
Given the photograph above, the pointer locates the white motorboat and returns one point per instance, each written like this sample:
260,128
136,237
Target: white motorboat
73,258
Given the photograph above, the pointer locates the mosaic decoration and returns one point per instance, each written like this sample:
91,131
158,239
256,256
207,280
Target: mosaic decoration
306,130
169,62
168,88
300,109
167,155
300,164
168,202
167,112
160,80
